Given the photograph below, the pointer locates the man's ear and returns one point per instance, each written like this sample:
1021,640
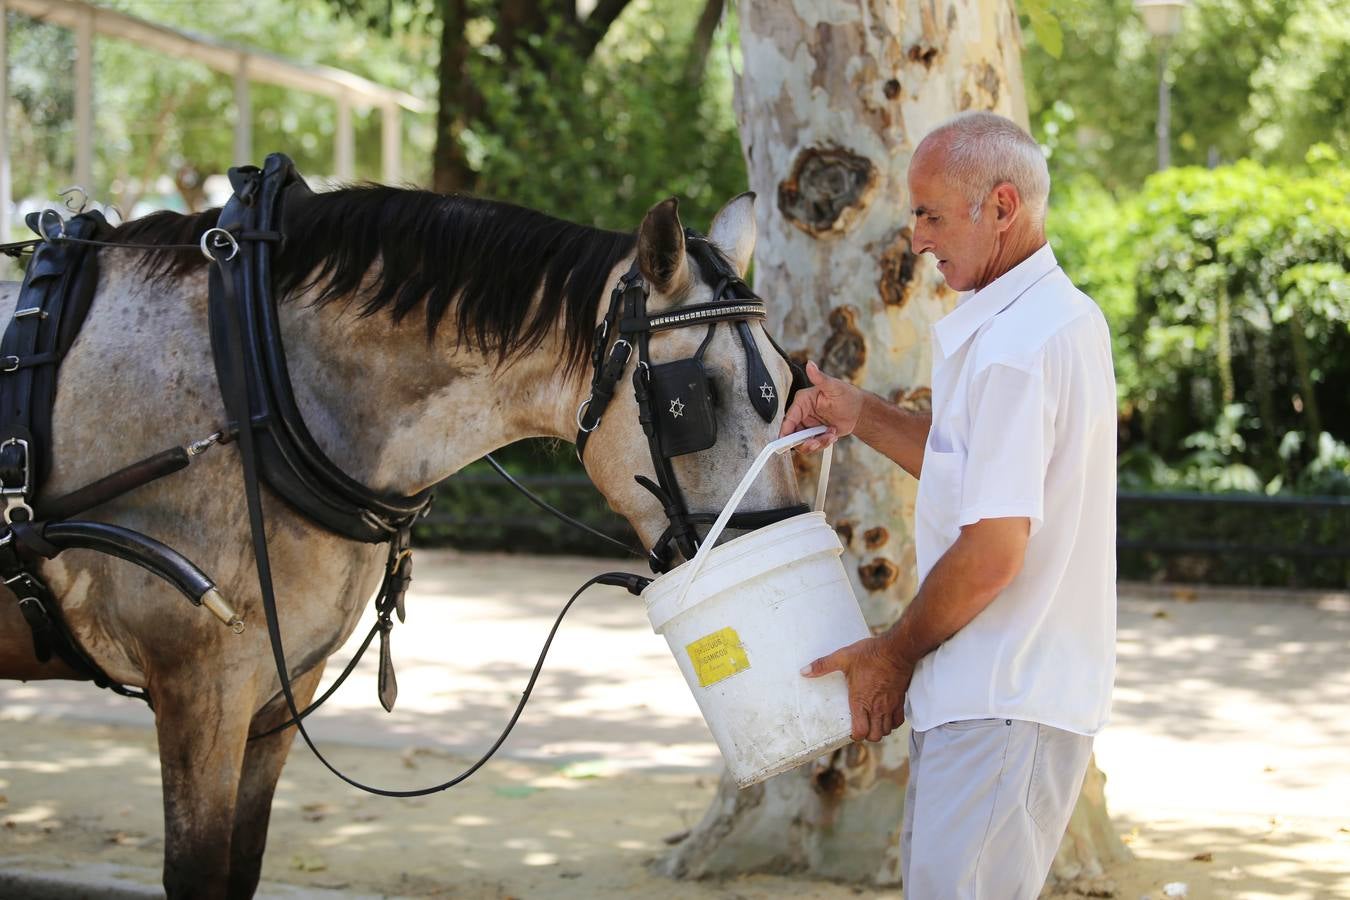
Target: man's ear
1007,204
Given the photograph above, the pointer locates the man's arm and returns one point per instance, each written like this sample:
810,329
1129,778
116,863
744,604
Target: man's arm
966,579
847,409
894,432
974,570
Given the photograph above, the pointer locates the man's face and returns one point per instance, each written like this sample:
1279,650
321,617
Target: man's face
942,226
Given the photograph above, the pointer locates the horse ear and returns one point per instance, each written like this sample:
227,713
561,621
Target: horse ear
733,231
660,248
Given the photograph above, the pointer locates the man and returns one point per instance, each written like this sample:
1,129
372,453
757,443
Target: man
1003,662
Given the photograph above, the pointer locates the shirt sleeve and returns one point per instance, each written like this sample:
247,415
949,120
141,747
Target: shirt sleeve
1011,437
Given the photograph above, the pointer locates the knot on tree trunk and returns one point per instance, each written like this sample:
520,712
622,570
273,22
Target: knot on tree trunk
897,270
845,349
826,187
878,574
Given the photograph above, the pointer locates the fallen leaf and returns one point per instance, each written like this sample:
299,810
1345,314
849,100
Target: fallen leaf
302,863
673,839
122,839
315,812
1185,595
365,817
1161,614
8,823
4,801
1268,769
589,769
515,791
1203,857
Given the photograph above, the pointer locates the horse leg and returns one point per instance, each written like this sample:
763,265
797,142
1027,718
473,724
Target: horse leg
202,732
263,760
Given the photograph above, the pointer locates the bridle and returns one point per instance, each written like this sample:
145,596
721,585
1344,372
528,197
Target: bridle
676,400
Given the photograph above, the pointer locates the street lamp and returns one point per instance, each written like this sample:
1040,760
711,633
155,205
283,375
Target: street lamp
1162,18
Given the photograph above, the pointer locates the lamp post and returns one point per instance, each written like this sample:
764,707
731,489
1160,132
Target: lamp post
1162,18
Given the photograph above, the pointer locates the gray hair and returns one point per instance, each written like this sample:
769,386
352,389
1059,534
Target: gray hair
984,150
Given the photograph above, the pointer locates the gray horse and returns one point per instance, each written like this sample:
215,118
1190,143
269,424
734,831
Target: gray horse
422,331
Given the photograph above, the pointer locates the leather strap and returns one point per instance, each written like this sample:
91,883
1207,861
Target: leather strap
290,460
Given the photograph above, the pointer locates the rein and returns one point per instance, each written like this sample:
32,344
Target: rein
276,448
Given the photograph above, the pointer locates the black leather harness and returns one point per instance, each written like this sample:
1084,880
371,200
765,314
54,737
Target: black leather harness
57,290
289,460
251,369
676,400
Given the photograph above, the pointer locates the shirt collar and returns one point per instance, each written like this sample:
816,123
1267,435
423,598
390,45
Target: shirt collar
974,309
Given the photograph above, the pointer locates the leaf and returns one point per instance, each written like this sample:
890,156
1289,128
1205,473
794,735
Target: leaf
308,863
515,791
594,768
1045,26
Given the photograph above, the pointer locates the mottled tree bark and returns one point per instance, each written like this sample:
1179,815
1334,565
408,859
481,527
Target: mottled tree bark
834,97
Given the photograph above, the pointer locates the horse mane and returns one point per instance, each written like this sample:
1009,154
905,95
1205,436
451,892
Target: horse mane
479,262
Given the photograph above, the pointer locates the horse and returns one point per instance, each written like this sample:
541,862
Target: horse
422,331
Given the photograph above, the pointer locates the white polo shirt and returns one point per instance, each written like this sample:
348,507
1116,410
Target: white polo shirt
1024,424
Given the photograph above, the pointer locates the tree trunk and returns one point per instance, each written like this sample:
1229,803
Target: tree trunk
833,99
457,101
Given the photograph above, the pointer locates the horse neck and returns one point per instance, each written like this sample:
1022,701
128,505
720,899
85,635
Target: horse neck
399,412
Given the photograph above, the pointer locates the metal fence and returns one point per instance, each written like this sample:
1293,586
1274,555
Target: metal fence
1214,538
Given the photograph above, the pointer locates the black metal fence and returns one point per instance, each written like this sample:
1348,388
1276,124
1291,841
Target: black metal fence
1194,538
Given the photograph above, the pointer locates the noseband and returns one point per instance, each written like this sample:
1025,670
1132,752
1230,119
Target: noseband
677,400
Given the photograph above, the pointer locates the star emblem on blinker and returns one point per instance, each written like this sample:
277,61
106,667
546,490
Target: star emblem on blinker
766,391
676,408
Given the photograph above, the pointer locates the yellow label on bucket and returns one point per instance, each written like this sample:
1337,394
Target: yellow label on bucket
717,656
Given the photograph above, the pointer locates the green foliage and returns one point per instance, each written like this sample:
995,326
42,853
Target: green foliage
1260,79
600,140
1228,291
156,114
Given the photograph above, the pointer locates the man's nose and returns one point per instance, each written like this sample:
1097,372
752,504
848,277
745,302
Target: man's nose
921,242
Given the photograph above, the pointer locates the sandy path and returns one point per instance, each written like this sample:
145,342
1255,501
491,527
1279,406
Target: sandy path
1229,738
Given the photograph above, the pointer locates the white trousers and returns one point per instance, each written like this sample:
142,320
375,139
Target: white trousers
986,807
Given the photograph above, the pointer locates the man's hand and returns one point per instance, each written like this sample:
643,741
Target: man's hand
877,683
829,401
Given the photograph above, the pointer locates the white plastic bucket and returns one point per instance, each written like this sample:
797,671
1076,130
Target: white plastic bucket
744,617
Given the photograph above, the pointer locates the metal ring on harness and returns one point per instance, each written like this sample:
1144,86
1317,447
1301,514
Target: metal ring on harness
69,195
582,408
222,240
60,225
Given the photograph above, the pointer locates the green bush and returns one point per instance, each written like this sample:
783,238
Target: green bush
1228,294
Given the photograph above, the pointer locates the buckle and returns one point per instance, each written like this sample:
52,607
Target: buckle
9,364
16,498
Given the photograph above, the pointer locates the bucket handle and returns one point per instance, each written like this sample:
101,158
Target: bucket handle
771,449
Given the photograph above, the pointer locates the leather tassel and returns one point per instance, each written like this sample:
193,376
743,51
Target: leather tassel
388,682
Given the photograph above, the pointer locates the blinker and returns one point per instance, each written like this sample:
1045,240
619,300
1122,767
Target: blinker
683,407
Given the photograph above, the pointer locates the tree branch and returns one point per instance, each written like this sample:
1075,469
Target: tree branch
701,45
592,31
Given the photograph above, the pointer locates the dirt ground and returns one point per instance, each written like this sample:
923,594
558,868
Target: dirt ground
1226,757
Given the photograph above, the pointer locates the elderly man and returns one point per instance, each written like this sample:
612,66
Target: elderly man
1003,662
